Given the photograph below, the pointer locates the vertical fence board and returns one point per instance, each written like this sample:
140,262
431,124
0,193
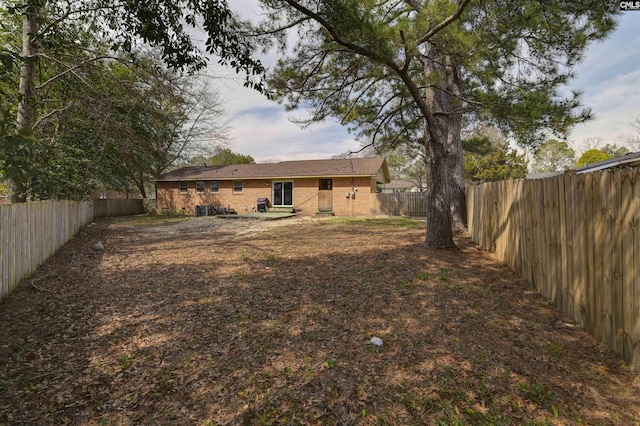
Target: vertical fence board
598,255
505,224
511,234
544,240
478,219
617,310
628,267
500,223
481,215
516,211
607,264
589,261
485,217
535,225
4,267
12,249
497,214
18,240
571,274
7,244
493,218
556,255
580,288
527,240
635,358
548,244
30,256
564,249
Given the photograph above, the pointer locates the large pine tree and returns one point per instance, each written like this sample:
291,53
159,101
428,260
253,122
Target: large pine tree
412,70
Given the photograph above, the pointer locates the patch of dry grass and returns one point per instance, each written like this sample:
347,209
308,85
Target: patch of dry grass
207,322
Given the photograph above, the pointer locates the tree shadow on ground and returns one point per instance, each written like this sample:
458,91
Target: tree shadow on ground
274,329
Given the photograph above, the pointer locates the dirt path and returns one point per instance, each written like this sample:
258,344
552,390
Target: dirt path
207,321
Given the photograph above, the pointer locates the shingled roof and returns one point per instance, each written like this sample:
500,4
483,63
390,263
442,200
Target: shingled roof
374,166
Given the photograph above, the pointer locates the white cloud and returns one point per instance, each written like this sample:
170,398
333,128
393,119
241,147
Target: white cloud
263,128
267,134
610,78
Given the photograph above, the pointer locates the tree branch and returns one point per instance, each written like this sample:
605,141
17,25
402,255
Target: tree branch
444,23
361,50
51,113
71,69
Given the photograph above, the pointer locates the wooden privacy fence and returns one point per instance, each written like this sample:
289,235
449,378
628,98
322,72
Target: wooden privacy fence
31,232
399,204
576,239
124,207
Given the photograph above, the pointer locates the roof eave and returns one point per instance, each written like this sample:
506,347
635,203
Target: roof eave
608,165
208,178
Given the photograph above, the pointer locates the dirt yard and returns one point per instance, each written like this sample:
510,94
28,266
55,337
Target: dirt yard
207,321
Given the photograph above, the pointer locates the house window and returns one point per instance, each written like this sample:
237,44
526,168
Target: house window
200,187
237,186
104,195
325,184
215,186
283,194
184,187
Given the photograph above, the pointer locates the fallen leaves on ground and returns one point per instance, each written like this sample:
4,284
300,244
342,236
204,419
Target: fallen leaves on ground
208,321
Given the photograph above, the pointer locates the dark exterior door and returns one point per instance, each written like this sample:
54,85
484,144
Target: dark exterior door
282,194
325,195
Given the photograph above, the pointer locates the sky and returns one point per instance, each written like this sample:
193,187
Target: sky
609,77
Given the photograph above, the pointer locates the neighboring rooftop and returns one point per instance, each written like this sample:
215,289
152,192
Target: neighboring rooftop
374,166
629,159
400,184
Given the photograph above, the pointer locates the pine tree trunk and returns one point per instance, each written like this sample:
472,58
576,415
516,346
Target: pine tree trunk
455,155
439,227
455,172
26,107
443,149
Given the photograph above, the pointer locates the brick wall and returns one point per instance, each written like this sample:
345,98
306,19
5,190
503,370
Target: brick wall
305,196
359,204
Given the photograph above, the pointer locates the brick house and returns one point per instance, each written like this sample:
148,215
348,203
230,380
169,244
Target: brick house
343,187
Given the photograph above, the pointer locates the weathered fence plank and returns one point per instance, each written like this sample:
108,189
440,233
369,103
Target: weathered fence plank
598,255
589,260
607,265
628,267
580,282
618,326
635,327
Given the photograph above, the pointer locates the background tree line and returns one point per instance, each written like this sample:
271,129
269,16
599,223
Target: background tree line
410,75
106,94
489,157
